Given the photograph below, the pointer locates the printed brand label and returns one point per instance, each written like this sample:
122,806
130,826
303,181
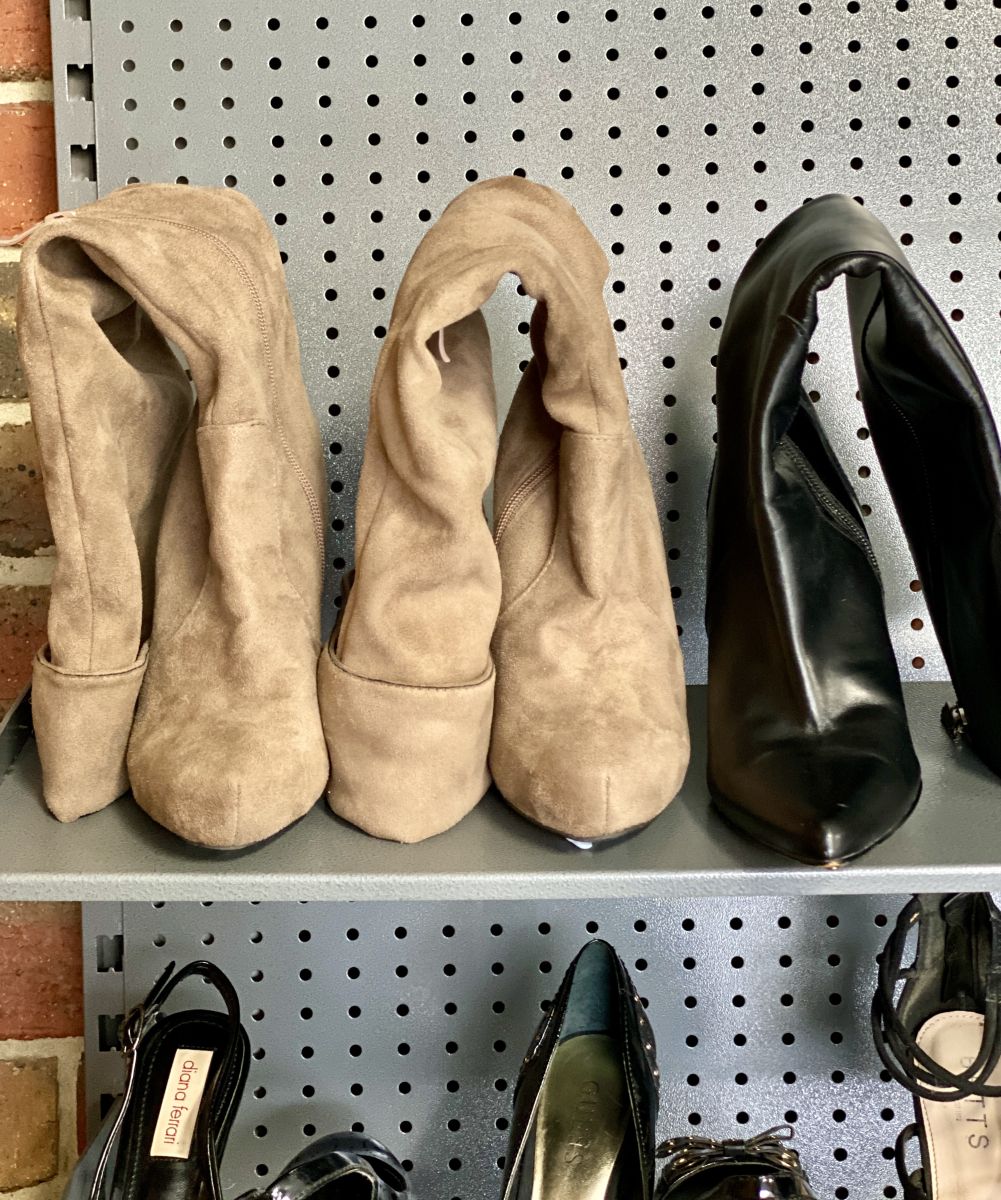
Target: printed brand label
583,1122
175,1126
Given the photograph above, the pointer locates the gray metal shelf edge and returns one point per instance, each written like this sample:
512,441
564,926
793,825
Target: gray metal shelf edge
951,843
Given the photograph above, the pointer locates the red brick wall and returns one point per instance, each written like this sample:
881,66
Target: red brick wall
41,991
24,37
27,193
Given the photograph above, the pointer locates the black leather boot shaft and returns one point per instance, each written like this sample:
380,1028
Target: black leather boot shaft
809,749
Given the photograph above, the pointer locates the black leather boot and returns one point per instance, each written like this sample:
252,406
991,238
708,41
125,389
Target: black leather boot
585,1108
763,1168
809,749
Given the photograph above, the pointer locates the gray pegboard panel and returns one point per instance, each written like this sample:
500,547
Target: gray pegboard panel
412,1020
104,990
73,88
682,132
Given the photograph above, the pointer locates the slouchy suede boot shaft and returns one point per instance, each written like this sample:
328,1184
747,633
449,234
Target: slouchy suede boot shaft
589,733
189,535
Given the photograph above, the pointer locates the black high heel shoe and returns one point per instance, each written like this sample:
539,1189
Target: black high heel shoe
941,1039
343,1166
764,1167
184,1078
585,1107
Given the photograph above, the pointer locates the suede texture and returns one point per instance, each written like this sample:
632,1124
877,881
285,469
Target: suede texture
197,525
82,724
585,714
590,733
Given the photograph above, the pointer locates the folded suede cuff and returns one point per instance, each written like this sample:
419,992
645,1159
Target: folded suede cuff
82,724
406,761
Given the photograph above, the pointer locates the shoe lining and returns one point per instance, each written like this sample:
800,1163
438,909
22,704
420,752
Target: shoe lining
962,1137
582,1120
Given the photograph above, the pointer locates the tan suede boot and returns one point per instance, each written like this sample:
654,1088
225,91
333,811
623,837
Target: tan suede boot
590,736
226,746
586,647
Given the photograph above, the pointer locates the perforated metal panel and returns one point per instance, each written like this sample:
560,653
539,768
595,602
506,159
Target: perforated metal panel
412,1021
683,133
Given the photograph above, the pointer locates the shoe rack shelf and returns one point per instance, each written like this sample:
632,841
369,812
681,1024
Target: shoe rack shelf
682,133
952,842
411,1021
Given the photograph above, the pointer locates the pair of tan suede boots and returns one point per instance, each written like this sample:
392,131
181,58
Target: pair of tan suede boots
189,525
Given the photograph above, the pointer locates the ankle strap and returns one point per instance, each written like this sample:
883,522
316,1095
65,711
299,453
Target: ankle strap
897,1046
135,1028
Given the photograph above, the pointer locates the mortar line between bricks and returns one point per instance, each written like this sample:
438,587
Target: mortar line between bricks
14,412
26,91
34,570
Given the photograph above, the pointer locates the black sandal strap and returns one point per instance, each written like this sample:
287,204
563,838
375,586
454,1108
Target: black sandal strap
152,1006
907,1063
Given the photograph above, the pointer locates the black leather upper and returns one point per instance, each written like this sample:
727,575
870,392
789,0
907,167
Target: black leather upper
764,1167
638,1049
809,748
341,1166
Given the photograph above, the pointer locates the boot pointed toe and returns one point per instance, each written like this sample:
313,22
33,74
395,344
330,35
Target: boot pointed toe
822,804
580,787
224,788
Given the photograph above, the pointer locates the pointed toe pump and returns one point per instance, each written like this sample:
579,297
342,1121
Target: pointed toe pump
342,1166
184,1077
187,516
937,1028
552,645
585,1109
765,1167
809,747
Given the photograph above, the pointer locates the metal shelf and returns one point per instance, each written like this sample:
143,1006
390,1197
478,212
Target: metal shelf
951,843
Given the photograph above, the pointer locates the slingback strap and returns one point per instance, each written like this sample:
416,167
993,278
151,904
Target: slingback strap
911,1066
771,1149
92,1179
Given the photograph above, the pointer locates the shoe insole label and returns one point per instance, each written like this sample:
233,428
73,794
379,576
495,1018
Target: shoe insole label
175,1126
581,1122
963,1137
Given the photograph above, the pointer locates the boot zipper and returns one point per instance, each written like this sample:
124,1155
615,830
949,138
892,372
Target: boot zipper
851,526
521,493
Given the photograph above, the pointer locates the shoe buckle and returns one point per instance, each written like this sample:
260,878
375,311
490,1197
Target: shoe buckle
136,1025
